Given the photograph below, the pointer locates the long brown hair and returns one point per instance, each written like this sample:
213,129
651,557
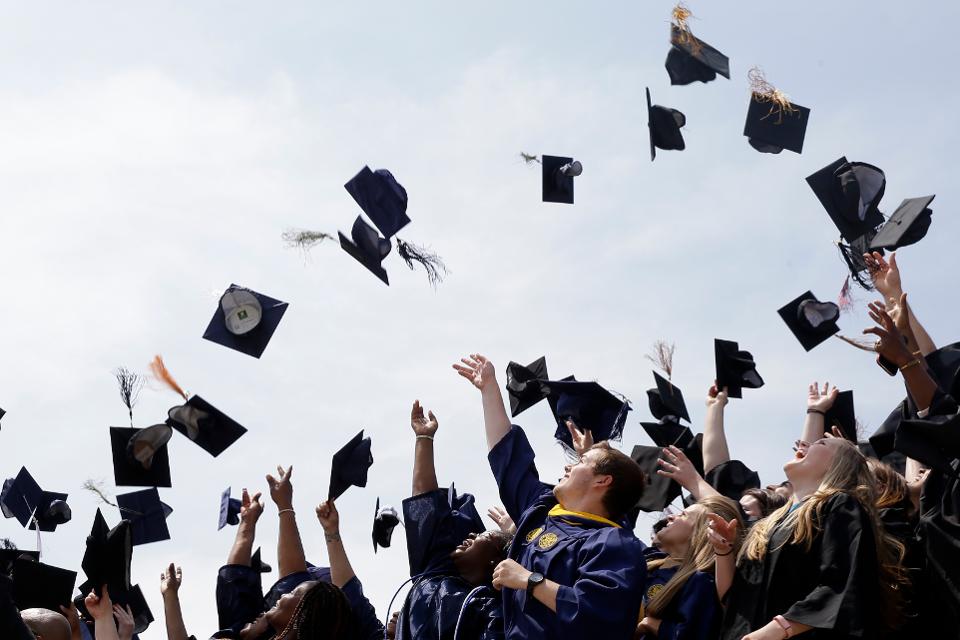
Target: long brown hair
699,555
891,486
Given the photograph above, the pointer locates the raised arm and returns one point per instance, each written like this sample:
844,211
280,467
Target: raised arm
715,450
819,401
101,609
424,470
890,344
886,279
675,465
480,372
341,572
290,557
250,511
723,536
170,581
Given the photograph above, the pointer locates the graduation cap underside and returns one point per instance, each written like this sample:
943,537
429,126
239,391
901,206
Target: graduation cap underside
812,322
208,427
665,124
590,406
150,444
245,320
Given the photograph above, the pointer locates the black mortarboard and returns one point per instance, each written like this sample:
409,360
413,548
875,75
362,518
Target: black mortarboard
2,413
934,441
107,558
590,406
523,384
771,129
735,368
666,399
23,499
257,563
9,556
38,585
367,247
907,225
229,510
665,124
382,198
245,320
843,416
731,478
811,321
140,456
133,598
147,516
693,60
660,490
211,429
349,466
558,174
384,522
669,431
850,192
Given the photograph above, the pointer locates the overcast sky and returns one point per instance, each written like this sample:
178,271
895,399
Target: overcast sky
150,155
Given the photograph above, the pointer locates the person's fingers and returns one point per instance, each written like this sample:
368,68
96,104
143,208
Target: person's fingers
877,331
573,432
432,417
893,260
256,498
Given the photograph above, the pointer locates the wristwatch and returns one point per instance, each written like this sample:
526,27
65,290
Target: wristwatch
534,579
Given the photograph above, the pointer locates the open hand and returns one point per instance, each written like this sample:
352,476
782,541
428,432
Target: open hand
885,275
125,622
281,491
821,399
722,534
170,580
478,370
581,441
423,426
675,465
503,520
891,344
250,508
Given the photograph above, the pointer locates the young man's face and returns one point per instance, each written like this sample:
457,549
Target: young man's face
579,478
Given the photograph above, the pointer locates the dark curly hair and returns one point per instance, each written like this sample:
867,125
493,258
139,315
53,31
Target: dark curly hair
323,614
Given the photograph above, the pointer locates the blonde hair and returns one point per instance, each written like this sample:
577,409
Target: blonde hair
850,474
891,486
699,556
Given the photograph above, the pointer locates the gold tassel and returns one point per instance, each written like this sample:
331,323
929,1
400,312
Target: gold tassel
763,91
160,372
681,13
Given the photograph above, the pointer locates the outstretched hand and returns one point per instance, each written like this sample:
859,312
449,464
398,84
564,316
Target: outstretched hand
100,607
250,508
677,466
716,397
503,520
423,426
885,275
281,491
170,580
328,516
478,370
125,622
721,534
581,441
821,399
891,344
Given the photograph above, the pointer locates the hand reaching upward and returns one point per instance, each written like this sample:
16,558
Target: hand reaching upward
477,369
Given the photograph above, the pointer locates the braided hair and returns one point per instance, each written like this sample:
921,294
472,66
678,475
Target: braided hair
322,614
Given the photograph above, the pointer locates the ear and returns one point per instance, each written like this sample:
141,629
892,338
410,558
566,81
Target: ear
603,481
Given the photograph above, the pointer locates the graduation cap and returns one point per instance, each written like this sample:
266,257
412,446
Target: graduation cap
842,416
693,60
367,247
732,478
258,564
523,384
2,413
590,406
907,225
660,490
558,174
208,427
229,510
147,516
38,585
665,124
107,558
382,198
384,521
735,368
23,499
9,555
666,399
669,431
245,320
774,123
811,321
349,466
132,597
140,456
850,192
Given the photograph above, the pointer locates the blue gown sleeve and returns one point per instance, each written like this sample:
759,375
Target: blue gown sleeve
434,528
697,616
239,596
369,626
605,600
511,461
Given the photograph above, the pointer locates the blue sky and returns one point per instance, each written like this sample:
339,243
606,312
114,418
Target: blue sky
151,155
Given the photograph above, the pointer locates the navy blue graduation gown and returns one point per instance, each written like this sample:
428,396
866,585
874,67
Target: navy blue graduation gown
433,605
694,612
598,565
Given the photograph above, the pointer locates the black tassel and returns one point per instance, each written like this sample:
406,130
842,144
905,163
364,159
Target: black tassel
130,386
431,262
856,265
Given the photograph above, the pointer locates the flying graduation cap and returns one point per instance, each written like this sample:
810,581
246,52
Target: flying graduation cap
665,124
38,585
23,499
660,490
385,520
691,59
589,406
736,369
558,173
523,384
384,201
811,321
229,510
140,457
245,320
666,399
669,432
349,466
907,225
106,560
147,515
208,427
774,123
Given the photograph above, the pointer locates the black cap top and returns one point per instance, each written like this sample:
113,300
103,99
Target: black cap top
107,558
558,173
842,416
907,225
771,128
229,510
669,431
850,192
811,321
665,124
350,465
9,555
385,519
693,60
23,499
590,406
245,320
147,516
258,564
666,399
38,585
367,248
382,198
660,490
140,457
211,429
735,368
523,384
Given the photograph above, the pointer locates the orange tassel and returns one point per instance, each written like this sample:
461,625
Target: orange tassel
160,372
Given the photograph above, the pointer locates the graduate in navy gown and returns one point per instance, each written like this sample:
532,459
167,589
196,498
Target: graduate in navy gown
573,570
